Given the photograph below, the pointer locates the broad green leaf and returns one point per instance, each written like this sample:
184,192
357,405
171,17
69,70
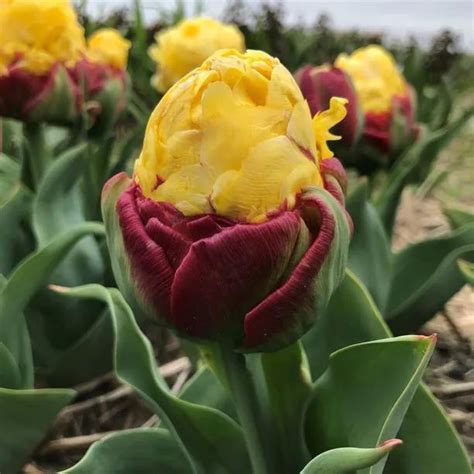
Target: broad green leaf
369,251
22,284
141,451
203,388
54,363
214,441
25,417
288,383
15,239
467,269
10,174
356,404
458,217
9,373
352,317
425,276
345,460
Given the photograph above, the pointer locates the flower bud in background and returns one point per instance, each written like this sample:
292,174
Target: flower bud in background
387,100
181,48
319,84
39,41
233,227
102,74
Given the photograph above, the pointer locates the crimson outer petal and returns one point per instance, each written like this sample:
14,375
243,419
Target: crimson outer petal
378,126
319,85
52,97
258,286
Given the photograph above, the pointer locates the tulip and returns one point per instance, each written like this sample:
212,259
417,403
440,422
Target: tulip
39,41
233,227
180,49
102,73
386,98
319,84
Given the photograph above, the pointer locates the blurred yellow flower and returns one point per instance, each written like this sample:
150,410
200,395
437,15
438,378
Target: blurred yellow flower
235,136
375,75
181,48
108,46
39,33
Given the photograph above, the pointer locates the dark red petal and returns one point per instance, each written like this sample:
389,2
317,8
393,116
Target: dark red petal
149,264
222,277
290,308
333,167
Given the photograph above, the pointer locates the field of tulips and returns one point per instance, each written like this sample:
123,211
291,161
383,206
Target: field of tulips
232,245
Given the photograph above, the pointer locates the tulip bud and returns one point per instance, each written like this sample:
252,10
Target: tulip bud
103,76
39,41
233,227
387,100
319,84
181,48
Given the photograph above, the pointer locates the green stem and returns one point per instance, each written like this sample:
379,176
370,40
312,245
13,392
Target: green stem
245,400
38,155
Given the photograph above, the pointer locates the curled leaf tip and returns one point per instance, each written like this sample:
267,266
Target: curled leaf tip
390,444
58,288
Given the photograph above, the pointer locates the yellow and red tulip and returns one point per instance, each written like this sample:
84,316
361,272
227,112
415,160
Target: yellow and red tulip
233,226
40,40
319,84
387,100
102,73
180,49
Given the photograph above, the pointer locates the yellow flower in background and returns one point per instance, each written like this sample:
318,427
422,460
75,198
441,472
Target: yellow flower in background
234,137
39,33
108,46
375,76
180,49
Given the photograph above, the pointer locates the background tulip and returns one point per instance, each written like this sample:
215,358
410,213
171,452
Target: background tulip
387,100
179,49
319,84
102,73
233,227
39,41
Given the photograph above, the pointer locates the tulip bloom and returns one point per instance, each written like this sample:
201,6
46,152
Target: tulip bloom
387,100
102,73
180,49
319,84
39,41
233,227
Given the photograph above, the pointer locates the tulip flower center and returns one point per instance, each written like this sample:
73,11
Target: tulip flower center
234,137
35,34
375,76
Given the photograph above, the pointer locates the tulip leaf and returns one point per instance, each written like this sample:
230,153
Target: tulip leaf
54,363
344,460
369,251
22,284
142,450
213,441
458,217
15,241
10,174
288,385
25,417
351,408
351,317
425,276
467,269
203,388
9,373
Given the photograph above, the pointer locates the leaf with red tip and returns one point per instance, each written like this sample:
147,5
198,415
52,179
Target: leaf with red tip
344,460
